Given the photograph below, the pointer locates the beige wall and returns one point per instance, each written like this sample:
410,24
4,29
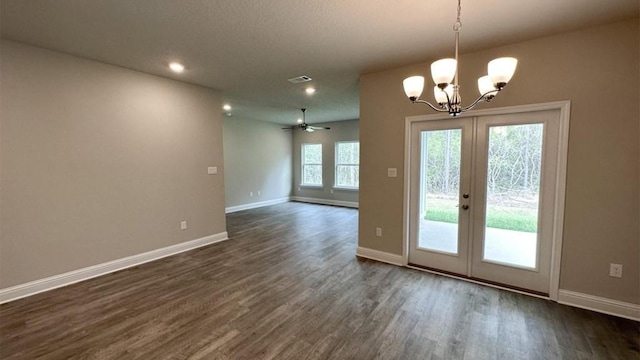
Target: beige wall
340,131
99,163
602,200
257,157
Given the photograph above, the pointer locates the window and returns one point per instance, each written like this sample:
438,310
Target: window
348,164
312,164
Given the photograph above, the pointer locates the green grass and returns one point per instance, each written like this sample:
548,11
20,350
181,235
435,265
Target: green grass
500,218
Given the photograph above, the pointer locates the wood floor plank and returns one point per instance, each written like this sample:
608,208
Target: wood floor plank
287,285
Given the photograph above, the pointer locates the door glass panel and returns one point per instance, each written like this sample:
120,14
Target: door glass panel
439,190
513,192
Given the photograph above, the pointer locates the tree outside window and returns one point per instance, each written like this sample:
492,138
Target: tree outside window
312,164
348,164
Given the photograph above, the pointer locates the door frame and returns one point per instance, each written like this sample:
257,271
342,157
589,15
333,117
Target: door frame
560,180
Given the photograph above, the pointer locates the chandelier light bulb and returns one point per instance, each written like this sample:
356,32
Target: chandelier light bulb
413,87
441,95
501,70
485,85
443,71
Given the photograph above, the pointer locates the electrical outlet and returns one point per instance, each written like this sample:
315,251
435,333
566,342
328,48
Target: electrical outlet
259,193
392,172
378,231
615,270
183,225
250,193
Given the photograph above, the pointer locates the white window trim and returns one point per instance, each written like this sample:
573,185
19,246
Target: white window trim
335,166
346,188
302,164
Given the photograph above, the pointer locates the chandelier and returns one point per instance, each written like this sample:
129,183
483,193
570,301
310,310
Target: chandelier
445,71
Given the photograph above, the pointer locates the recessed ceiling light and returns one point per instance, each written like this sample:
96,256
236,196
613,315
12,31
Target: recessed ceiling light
176,67
226,107
299,121
310,90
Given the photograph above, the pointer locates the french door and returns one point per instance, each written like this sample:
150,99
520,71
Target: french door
482,194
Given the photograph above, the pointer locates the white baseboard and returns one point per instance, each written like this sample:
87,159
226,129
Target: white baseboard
600,304
71,277
350,204
381,256
254,205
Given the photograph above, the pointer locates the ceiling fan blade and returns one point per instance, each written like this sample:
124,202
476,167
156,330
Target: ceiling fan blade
320,128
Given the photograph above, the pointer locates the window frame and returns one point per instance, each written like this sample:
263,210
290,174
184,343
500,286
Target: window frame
337,164
303,164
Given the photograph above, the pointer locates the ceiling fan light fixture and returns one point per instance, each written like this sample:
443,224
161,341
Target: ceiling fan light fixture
302,124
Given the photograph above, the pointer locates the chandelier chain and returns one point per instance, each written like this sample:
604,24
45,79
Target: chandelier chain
458,24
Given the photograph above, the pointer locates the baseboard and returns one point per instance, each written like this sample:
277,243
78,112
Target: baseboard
349,204
254,205
381,256
600,304
72,277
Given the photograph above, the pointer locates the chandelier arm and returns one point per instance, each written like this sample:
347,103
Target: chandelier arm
482,97
429,104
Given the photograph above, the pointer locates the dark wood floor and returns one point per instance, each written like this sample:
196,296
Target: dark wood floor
288,286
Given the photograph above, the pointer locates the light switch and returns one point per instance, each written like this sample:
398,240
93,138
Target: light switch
212,170
392,172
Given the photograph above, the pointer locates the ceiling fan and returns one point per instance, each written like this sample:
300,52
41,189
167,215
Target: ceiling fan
304,126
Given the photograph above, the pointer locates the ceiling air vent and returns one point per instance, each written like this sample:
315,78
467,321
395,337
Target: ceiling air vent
299,79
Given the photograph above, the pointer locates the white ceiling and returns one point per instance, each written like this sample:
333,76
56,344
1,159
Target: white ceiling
247,49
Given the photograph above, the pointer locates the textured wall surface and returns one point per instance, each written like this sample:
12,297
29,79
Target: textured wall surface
257,157
100,163
602,212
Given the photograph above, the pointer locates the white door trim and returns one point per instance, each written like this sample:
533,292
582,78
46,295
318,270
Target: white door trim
561,176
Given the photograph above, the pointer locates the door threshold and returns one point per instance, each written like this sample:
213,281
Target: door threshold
492,284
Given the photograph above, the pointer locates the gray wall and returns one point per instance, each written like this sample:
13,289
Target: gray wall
257,157
602,213
340,131
99,163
